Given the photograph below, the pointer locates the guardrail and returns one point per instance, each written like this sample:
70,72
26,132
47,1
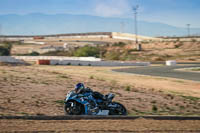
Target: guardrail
75,61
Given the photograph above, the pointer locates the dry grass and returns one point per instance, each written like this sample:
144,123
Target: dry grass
39,90
152,51
106,73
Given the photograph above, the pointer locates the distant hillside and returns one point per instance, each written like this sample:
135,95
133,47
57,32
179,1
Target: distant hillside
65,23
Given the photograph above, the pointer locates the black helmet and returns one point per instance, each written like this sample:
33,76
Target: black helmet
79,87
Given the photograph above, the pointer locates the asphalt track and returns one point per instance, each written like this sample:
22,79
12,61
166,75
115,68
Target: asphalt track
164,71
85,117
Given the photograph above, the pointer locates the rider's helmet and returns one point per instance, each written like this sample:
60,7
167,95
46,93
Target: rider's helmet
79,87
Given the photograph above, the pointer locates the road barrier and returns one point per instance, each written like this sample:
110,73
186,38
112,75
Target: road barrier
97,63
35,58
43,62
10,59
171,63
75,61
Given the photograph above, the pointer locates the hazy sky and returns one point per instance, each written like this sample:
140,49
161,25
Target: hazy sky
172,12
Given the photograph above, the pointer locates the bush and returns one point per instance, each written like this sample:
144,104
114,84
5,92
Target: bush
128,88
87,51
154,108
58,53
5,49
120,44
179,45
91,77
194,40
30,54
112,55
34,54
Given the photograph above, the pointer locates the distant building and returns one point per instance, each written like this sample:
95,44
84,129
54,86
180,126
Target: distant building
38,37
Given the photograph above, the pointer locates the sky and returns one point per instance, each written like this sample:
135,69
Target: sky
173,12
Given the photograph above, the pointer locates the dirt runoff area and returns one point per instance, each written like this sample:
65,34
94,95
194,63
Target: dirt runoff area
40,90
100,126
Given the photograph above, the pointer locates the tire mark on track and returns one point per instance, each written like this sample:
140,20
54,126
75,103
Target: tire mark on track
111,131
101,117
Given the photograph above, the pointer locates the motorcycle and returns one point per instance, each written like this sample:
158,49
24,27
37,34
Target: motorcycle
87,104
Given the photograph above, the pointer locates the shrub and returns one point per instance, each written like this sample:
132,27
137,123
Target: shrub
120,44
179,45
154,108
87,51
91,77
194,40
30,54
60,102
59,53
112,55
34,53
128,88
5,49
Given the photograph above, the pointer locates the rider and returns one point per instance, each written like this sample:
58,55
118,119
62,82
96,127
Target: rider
80,89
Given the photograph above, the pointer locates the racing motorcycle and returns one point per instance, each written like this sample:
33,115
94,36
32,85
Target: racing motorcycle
87,104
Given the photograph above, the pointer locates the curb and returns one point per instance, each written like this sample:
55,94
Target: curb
100,117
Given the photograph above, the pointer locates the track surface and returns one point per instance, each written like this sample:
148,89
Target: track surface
164,71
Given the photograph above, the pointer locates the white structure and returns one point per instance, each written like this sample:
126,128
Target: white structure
65,45
10,59
131,37
101,35
97,63
171,63
75,61
34,42
60,58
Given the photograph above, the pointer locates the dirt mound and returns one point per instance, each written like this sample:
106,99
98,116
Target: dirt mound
190,45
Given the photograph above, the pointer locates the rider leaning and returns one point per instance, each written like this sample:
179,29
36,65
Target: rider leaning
80,89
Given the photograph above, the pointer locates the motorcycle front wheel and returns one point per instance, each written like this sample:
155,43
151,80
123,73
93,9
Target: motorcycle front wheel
73,108
119,110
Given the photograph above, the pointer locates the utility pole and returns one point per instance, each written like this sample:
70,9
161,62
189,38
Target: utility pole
139,46
188,29
135,9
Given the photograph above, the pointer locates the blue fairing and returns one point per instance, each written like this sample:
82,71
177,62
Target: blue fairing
82,99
